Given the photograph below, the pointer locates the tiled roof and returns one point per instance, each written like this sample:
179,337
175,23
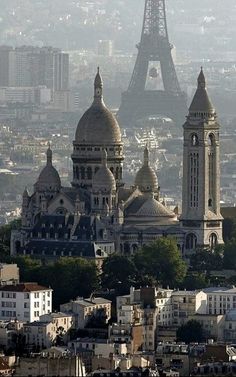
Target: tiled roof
24,287
93,301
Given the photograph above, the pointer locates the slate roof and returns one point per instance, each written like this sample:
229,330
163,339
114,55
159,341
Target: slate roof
62,225
51,247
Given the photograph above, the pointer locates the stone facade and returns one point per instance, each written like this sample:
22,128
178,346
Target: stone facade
98,215
201,217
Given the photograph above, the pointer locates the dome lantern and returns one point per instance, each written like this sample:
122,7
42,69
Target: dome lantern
49,155
98,86
146,156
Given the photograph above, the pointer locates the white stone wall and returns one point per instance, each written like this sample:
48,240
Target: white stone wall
25,306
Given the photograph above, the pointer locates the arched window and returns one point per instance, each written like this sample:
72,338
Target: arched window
60,233
211,139
112,170
82,171
99,252
191,241
126,248
77,172
134,248
213,241
89,173
117,173
17,246
210,203
194,140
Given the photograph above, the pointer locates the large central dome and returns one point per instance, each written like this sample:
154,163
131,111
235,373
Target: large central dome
98,125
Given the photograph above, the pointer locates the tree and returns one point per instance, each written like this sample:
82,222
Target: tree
69,278
229,260
59,341
206,260
229,229
19,344
98,319
194,281
119,273
192,331
29,267
162,260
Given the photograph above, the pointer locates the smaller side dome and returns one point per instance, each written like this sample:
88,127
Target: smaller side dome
49,179
146,178
104,180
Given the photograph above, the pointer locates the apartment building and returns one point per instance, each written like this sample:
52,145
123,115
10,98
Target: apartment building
47,331
8,331
64,321
84,309
134,307
187,303
30,66
220,299
9,274
25,302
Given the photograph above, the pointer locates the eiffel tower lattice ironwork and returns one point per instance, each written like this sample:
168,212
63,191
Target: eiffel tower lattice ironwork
139,102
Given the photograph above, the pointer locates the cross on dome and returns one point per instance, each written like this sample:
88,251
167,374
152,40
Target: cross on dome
201,79
49,154
146,156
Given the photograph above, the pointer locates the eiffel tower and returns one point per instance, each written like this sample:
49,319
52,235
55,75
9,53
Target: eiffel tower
138,101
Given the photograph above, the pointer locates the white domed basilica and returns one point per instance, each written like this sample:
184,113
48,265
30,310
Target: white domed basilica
98,215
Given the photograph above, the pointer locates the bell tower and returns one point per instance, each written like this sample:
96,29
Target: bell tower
201,217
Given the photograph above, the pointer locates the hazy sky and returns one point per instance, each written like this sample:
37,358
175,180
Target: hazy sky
71,25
